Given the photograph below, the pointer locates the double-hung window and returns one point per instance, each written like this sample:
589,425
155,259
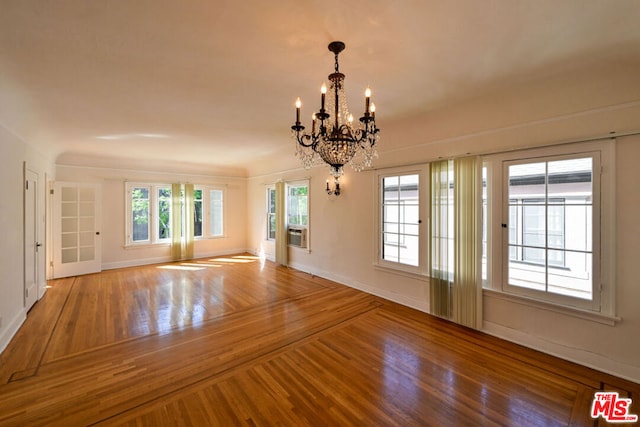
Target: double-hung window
208,212
402,202
271,213
298,204
548,225
148,213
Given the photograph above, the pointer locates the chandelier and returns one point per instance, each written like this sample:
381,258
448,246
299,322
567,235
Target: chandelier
334,138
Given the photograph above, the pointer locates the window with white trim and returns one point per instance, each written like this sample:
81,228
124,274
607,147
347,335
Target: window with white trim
271,212
547,228
208,212
148,208
401,231
298,204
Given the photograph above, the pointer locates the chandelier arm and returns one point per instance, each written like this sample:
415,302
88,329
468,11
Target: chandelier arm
313,140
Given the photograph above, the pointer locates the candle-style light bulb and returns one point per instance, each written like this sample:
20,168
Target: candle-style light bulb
298,105
323,91
367,99
313,123
372,110
350,118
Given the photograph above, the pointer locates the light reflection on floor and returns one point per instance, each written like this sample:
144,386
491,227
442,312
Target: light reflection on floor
178,304
401,366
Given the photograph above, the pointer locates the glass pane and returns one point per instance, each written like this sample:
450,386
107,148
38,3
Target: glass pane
400,218
272,200
69,240
69,194
528,275
409,251
391,188
579,227
87,238
409,187
140,214
575,280
86,254
513,224
87,209
69,209
164,213
197,218
298,205
527,181
69,255
69,225
216,220
272,227
87,223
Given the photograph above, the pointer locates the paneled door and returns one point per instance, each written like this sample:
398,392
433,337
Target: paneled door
77,247
31,244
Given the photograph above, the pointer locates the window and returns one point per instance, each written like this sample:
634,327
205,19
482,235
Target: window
549,225
216,213
148,213
208,211
197,212
402,237
140,214
298,204
271,213
544,254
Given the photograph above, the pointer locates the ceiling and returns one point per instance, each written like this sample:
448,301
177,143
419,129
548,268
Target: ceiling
212,85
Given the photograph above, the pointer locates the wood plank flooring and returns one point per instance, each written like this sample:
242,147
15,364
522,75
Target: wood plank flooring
236,341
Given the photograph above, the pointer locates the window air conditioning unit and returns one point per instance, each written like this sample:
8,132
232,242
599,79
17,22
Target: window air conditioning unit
297,237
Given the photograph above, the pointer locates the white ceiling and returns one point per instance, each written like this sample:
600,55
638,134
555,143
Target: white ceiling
212,83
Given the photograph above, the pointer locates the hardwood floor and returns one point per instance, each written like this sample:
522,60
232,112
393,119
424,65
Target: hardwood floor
236,341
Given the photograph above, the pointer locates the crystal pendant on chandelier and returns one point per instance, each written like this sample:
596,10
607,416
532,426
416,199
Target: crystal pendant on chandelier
334,138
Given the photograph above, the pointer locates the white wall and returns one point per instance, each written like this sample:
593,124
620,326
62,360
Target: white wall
14,153
112,182
342,231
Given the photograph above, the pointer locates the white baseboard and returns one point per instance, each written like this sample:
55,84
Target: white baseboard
585,358
9,330
397,298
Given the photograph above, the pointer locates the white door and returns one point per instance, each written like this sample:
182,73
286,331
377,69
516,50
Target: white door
77,247
31,244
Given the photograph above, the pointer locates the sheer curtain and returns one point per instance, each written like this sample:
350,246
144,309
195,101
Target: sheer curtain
454,243
441,238
281,228
188,238
182,222
467,286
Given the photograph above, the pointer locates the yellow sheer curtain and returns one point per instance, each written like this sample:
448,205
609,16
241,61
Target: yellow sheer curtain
441,239
281,228
176,222
454,244
188,219
182,222
467,287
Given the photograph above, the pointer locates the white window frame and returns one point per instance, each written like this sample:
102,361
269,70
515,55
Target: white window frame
422,269
602,306
288,186
154,238
295,184
207,232
270,190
